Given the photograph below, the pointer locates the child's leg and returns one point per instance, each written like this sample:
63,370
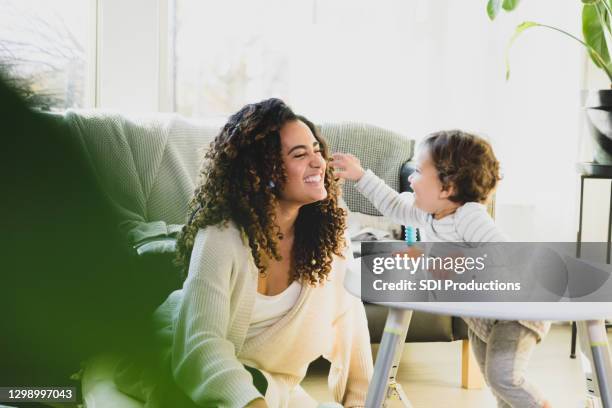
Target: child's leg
508,352
479,348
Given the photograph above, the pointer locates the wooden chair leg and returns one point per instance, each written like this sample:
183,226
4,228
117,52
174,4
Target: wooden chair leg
471,377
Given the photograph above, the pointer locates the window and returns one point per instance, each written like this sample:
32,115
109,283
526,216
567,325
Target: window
45,48
230,53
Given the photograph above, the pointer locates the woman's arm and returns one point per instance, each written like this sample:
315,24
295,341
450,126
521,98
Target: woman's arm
351,359
350,353
204,363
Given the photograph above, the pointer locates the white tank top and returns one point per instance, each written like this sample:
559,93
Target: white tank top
270,309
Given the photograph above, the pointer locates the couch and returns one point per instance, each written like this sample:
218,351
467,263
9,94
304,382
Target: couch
147,165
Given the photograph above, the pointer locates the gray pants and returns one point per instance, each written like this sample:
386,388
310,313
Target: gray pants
503,361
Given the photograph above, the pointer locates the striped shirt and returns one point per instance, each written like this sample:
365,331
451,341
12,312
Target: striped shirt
469,223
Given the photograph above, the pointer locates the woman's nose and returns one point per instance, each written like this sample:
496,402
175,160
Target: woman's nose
317,161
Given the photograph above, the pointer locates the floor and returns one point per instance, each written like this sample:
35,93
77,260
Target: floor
430,375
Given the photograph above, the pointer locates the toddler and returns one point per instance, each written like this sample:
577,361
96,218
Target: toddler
456,173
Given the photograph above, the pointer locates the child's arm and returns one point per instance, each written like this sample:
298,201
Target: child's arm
398,207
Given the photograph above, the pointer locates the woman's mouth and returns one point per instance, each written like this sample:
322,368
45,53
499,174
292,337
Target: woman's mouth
315,179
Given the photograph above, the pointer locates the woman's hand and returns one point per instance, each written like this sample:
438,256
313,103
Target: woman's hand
347,166
257,403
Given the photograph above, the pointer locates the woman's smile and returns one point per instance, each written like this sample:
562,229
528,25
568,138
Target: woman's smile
314,180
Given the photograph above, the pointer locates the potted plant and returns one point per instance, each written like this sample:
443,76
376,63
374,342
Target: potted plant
597,39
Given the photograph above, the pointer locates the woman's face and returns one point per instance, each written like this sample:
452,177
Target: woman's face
304,165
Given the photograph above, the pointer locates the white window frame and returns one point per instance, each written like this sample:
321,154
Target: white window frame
133,63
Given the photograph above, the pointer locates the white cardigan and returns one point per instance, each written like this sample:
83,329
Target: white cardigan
206,323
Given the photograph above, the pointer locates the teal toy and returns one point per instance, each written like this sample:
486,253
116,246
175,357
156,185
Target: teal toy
410,235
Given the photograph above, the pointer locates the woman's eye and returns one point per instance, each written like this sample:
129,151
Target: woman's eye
299,156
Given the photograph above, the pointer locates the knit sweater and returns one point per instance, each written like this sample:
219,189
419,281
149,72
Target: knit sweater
469,223
206,322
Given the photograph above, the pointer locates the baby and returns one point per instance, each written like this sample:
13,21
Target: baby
456,173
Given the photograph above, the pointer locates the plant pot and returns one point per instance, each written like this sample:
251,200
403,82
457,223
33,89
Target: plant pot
598,107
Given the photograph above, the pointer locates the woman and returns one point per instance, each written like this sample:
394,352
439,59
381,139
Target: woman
266,254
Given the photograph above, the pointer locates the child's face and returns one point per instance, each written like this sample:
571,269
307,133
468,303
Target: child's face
428,193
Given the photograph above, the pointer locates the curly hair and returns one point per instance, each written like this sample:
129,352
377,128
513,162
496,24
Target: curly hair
466,162
240,181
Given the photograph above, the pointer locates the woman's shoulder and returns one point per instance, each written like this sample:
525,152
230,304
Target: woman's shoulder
224,233
223,239
219,248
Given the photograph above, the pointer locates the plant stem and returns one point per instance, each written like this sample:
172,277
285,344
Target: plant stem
566,33
594,54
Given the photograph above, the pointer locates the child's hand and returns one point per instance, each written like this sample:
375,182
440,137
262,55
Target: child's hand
347,166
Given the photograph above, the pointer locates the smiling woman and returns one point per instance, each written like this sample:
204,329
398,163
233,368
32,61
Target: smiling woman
255,175
265,252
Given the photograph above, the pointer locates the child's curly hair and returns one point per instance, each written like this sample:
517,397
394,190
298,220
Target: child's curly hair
466,162
239,181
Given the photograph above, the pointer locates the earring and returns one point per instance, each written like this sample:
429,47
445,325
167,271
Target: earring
271,184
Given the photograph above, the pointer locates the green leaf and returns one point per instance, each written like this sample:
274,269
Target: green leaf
590,1
493,8
593,33
510,5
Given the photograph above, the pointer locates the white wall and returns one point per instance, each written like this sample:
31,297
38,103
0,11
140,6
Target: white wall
422,66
